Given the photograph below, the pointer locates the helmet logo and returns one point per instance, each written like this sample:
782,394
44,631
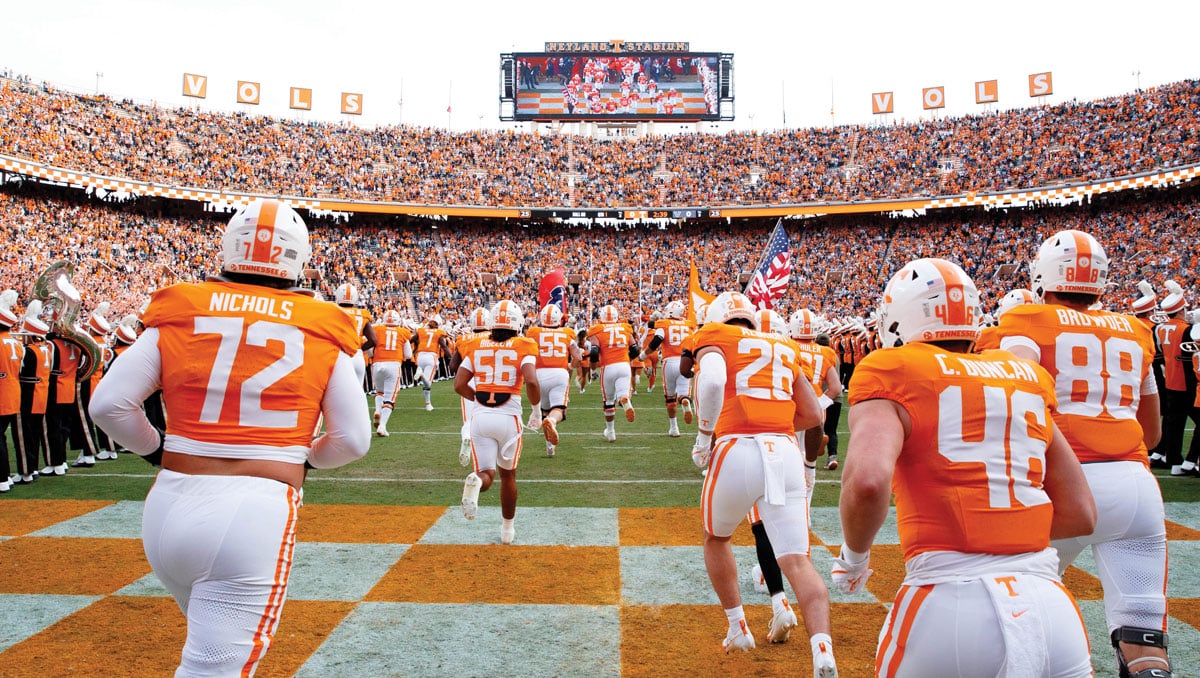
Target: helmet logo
956,295
263,235
1083,262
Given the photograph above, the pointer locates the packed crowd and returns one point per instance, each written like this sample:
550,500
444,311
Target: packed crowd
1071,141
422,267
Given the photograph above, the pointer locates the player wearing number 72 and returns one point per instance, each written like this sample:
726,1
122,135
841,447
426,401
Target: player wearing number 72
1108,411
247,365
983,481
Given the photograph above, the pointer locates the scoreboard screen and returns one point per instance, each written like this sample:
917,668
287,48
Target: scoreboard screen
626,86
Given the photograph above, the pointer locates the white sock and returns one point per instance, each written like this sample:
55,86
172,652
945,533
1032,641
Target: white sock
610,426
383,416
735,615
777,601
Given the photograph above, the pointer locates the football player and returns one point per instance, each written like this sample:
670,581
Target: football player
610,343
983,481
557,350
1108,412
247,363
824,373
752,398
499,366
670,335
392,347
347,298
432,343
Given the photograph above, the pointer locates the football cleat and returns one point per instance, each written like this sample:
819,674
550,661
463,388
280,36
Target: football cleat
738,638
687,409
832,464
464,452
823,664
630,415
756,578
549,450
381,432
673,431
550,431
508,532
376,418
428,407
610,435
782,623
470,496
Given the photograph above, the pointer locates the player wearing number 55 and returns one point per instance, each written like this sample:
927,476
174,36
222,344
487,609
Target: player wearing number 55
1108,411
983,481
247,364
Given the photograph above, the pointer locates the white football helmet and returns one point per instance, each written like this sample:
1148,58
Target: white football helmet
929,300
507,315
730,306
550,316
701,313
266,238
675,310
1069,261
434,319
609,314
767,320
1013,299
391,317
346,295
481,320
803,324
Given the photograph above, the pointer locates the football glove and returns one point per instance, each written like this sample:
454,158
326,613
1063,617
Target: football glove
848,576
702,449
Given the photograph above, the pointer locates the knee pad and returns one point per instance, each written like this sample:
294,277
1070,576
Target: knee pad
670,400
1146,638
389,404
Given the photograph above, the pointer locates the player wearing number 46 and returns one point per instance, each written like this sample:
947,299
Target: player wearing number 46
1109,412
983,481
247,365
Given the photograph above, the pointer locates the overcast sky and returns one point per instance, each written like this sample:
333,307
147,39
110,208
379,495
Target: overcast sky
795,59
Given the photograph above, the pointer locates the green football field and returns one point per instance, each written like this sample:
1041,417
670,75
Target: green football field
384,552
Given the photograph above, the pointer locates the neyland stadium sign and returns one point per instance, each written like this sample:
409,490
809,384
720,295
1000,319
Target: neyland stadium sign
619,47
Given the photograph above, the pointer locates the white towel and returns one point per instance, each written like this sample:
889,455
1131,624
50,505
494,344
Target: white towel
775,450
1026,653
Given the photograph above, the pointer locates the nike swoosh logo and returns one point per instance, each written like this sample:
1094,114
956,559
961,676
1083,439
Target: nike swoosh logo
1018,614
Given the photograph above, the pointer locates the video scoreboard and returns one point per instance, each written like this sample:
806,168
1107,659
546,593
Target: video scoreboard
616,81
673,213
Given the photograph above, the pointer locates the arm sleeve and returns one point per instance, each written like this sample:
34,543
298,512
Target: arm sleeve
116,406
347,421
710,388
1014,341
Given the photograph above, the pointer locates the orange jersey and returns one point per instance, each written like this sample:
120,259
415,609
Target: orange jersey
817,360
12,354
764,369
1171,334
497,364
360,316
1099,361
614,340
389,343
554,346
105,356
989,338
464,343
246,365
969,477
429,340
69,356
674,334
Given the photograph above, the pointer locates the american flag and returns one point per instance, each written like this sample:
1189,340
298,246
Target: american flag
770,280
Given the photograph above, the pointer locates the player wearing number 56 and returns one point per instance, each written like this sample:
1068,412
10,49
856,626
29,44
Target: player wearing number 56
1109,412
492,373
247,364
983,481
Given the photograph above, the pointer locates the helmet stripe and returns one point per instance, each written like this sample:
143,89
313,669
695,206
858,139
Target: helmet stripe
1083,257
264,232
956,296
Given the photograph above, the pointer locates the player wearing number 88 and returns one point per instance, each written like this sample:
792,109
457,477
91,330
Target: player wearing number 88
247,365
1109,412
500,365
982,481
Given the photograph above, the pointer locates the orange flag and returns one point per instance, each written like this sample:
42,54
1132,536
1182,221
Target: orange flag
696,296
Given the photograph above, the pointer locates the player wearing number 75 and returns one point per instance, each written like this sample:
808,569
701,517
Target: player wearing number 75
247,365
1108,411
983,480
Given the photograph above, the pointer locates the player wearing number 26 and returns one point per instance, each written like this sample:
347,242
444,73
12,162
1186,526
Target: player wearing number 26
983,480
1108,411
247,366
